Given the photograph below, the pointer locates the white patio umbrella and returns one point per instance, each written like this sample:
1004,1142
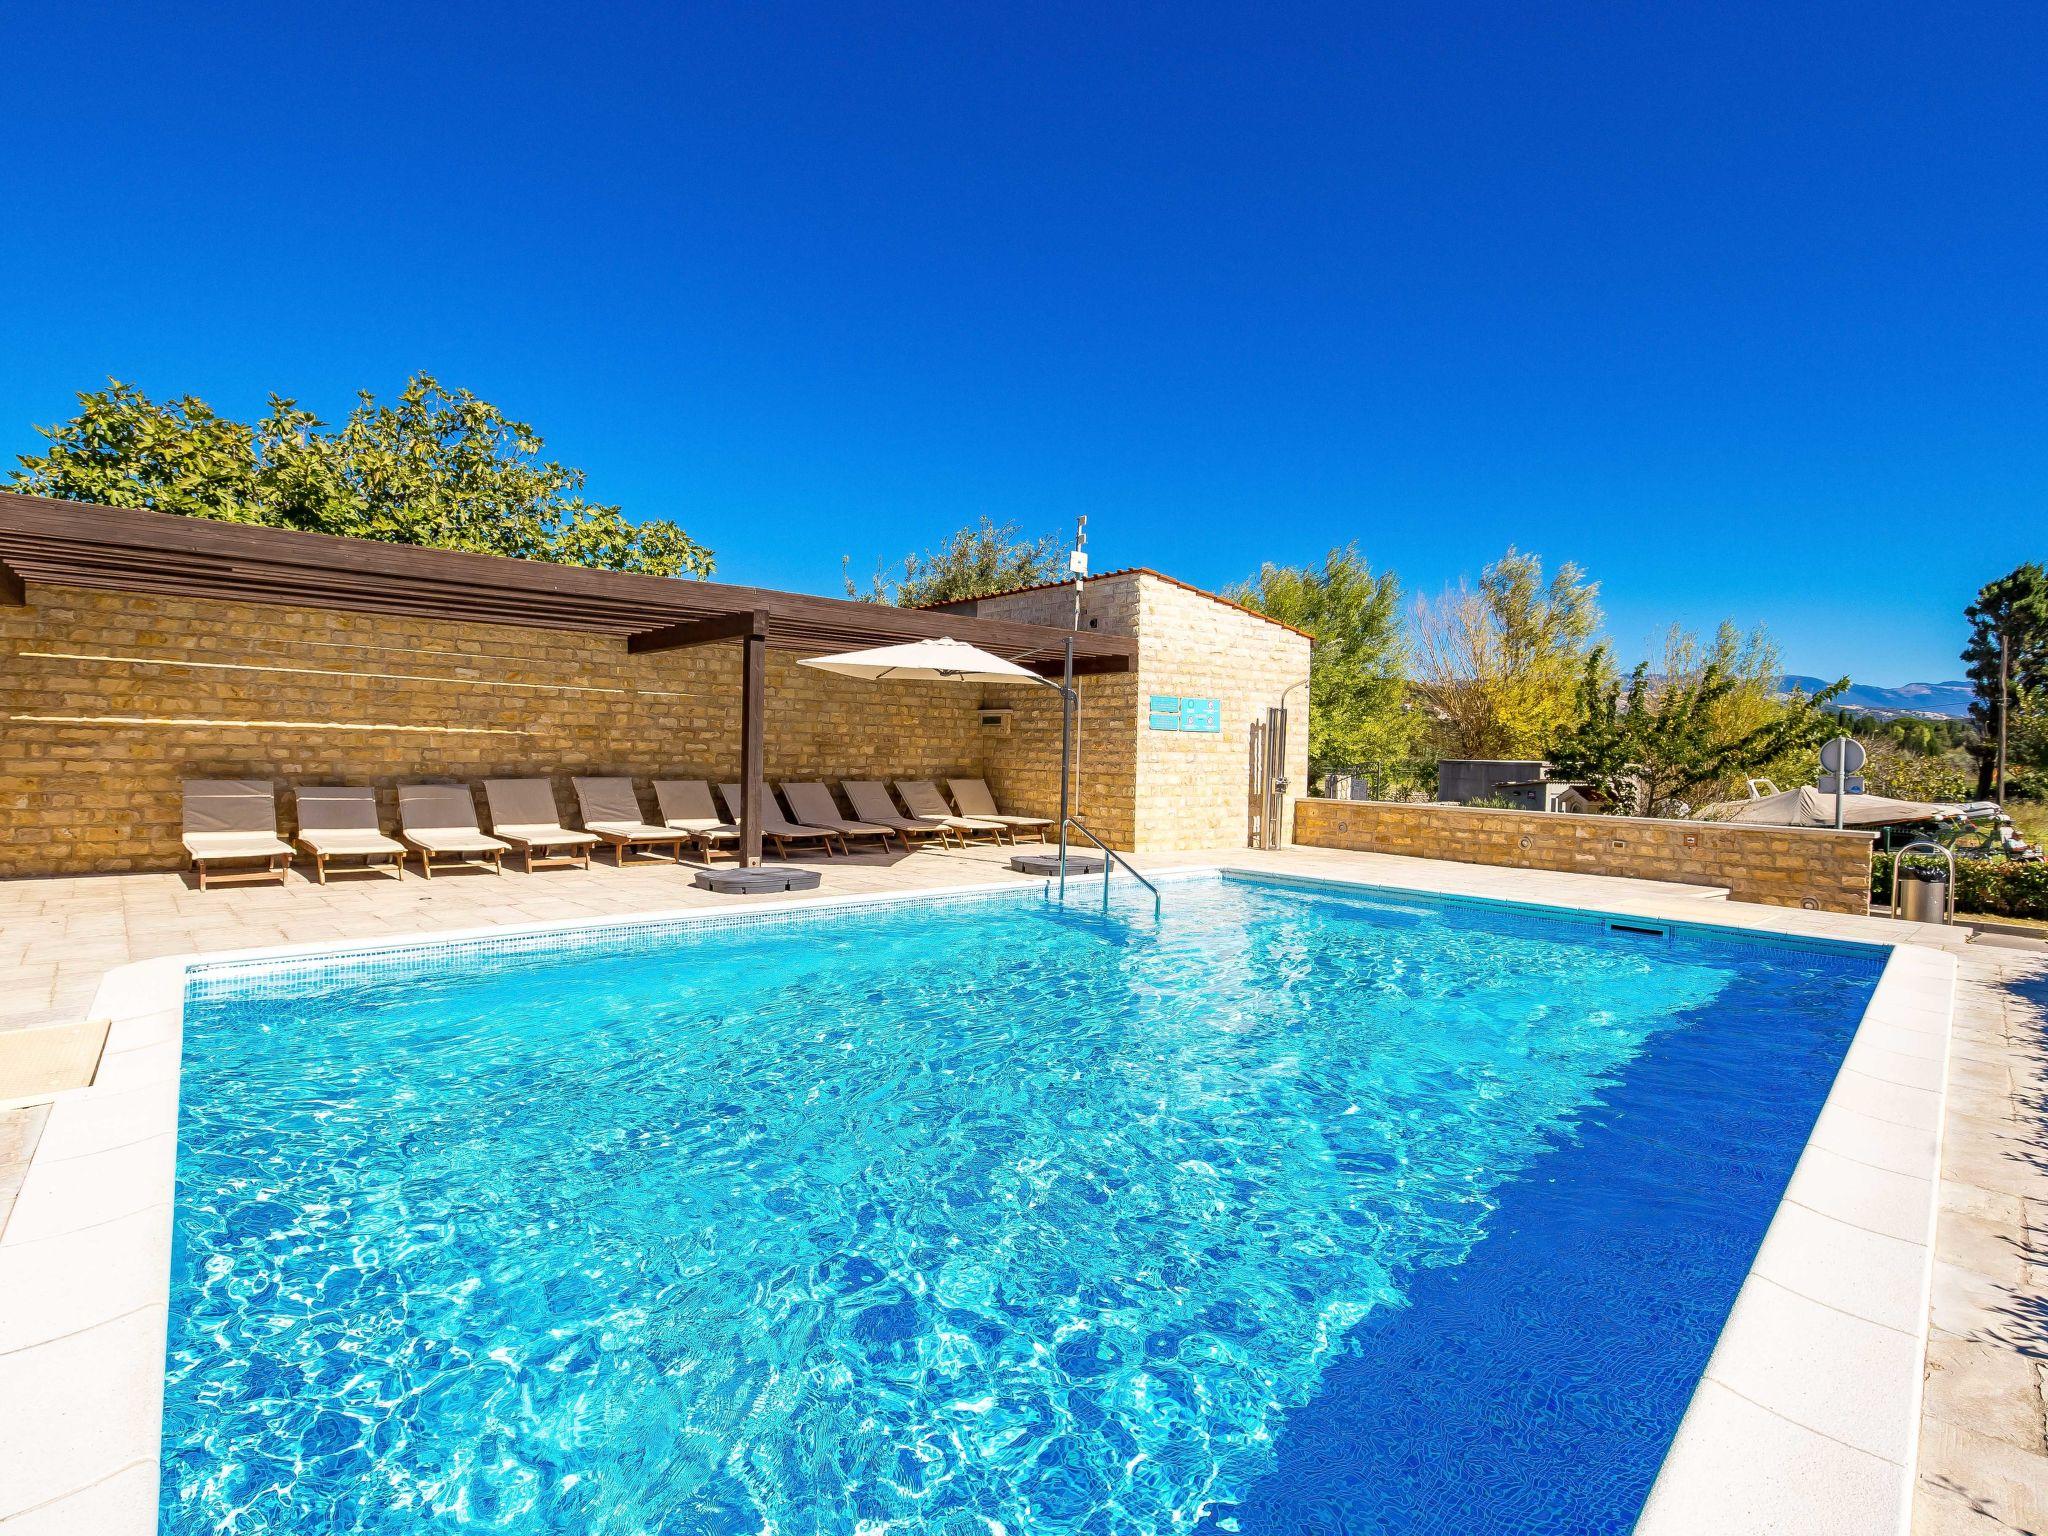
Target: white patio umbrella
955,661
941,660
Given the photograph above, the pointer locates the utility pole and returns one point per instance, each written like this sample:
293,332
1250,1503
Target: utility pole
2004,672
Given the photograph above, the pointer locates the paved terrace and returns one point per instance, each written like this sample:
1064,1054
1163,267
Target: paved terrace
1983,1459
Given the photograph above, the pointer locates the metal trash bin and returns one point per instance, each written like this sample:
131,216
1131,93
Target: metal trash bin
1923,895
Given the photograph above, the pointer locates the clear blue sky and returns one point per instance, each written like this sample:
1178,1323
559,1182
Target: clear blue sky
1680,293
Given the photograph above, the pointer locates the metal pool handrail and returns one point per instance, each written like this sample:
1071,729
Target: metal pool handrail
1158,903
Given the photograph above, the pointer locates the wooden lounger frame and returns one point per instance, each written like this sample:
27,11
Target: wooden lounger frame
276,867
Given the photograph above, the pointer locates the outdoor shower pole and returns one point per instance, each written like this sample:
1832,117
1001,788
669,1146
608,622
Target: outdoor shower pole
1066,754
1078,564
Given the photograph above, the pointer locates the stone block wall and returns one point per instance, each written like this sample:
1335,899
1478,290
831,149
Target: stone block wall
108,700
1780,866
1025,770
1147,790
1196,786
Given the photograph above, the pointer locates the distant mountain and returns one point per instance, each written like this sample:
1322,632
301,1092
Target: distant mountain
1934,701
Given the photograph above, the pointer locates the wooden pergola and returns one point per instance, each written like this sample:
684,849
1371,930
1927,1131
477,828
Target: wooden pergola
78,544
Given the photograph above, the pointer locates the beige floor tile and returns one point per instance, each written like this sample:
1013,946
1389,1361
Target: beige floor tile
1965,1475
1986,1388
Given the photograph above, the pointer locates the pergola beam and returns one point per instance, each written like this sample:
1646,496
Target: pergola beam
749,625
57,543
1084,666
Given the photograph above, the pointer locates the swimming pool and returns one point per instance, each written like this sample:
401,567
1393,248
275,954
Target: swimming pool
1298,1210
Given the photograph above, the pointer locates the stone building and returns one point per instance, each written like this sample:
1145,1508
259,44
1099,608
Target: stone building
139,650
1159,773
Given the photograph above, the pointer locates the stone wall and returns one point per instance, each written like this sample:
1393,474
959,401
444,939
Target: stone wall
108,700
1195,787
1026,771
1781,866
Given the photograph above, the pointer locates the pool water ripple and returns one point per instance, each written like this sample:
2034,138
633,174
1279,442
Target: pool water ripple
963,1217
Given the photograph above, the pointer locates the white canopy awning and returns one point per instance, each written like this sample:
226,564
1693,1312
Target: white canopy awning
942,660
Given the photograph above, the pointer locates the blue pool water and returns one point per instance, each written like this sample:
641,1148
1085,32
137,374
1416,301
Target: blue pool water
1293,1212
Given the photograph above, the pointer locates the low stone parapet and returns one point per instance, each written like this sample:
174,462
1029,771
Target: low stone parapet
1816,868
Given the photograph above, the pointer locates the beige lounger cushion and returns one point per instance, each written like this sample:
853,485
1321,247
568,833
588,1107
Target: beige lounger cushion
686,805
973,798
523,812
772,820
234,845
341,819
231,819
871,802
923,797
441,818
814,803
342,841
612,810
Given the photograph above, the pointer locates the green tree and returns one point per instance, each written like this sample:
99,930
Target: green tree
2008,660
974,562
1499,665
2027,733
1711,716
1907,775
1357,692
436,467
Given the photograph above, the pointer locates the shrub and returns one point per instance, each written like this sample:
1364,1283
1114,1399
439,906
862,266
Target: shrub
1908,776
1993,887
2030,784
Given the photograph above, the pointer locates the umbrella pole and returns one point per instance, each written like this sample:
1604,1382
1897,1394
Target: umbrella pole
1066,755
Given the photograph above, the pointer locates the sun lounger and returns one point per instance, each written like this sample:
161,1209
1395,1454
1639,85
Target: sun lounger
814,805
871,802
612,811
339,821
234,819
524,814
775,827
974,800
924,799
439,821
685,804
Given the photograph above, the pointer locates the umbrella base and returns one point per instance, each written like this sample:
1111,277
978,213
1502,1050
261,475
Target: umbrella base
1049,864
762,880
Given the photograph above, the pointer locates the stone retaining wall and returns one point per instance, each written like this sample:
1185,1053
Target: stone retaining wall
1781,866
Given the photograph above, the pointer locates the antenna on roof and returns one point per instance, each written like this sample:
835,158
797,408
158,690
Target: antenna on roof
1077,562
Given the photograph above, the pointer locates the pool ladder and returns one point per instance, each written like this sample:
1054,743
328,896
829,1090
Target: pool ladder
1112,857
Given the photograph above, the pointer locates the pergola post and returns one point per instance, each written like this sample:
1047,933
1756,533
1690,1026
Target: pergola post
753,723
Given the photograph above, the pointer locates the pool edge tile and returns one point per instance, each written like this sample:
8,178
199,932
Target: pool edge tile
125,1500
1737,1469
79,1409
75,1281
1743,1467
